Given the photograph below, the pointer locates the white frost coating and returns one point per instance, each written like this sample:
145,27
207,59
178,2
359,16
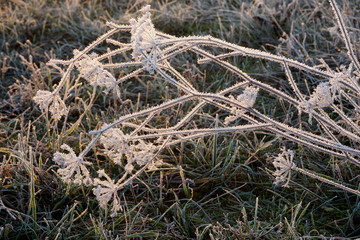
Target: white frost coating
246,99
116,144
283,164
51,102
119,148
144,40
106,192
136,146
73,168
321,97
92,70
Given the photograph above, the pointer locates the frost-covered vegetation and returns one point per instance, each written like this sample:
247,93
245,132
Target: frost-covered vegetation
189,132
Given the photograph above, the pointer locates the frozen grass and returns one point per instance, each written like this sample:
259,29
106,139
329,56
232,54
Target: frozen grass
216,187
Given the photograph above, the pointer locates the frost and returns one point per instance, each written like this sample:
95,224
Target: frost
73,168
141,153
92,70
246,99
106,191
116,144
181,113
51,102
320,98
283,164
144,40
118,147
335,85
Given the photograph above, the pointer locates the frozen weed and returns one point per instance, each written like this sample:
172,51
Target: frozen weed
133,141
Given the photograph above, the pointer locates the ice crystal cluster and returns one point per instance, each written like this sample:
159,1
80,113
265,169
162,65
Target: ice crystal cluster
72,168
246,99
51,102
93,71
134,141
283,164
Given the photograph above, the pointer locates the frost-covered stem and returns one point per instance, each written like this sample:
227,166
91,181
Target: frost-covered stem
143,168
345,35
353,103
325,180
278,93
130,75
345,118
121,65
293,83
123,177
140,127
246,77
78,121
310,137
306,135
183,48
179,76
271,57
119,27
117,43
313,146
147,111
190,114
72,61
87,49
144,112
64,78
331,123
113,53
239,50
201,132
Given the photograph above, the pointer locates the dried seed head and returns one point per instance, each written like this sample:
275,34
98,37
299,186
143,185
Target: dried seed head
116,144
283,164
72,168
106,191
51,102
246,99
144,40
92,70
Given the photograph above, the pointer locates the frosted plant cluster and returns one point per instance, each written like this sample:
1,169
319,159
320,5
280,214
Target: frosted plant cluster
92,70
51,102
135,139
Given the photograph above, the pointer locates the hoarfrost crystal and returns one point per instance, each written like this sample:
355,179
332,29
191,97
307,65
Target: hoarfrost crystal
246,99
107,191
283,164
73,168
92,70
144,40
51,102
116,144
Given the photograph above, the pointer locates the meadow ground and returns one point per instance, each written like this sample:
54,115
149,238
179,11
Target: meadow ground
217,187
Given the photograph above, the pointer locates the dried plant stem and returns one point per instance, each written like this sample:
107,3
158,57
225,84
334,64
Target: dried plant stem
325,180
344,33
